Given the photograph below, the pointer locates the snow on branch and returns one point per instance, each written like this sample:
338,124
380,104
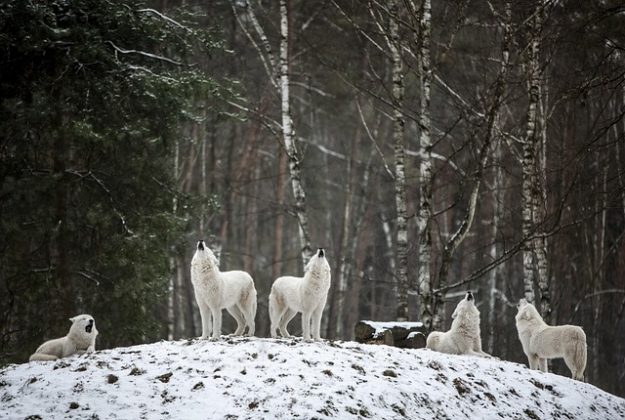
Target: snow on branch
164,17
143,53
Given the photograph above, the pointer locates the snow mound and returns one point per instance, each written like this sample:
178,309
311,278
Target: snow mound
243,378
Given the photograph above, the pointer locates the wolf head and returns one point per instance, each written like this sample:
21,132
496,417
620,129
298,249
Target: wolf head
83,325
318,262
466,306
204,256
526,312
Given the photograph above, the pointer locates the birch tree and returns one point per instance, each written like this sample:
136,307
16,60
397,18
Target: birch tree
288,135
278,72
534,249
424,214
401,245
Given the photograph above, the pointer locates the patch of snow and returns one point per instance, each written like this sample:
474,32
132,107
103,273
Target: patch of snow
258,378
413,334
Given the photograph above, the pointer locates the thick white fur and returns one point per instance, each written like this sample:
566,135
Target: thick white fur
77,341
464,335
216,290
541,341
290,295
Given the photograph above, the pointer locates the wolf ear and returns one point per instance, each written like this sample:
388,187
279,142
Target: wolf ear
72,320
525,314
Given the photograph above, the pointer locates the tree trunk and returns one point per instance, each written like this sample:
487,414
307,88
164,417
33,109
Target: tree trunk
424,214
530,188
171,296
494,277
401,245
279,224
288,135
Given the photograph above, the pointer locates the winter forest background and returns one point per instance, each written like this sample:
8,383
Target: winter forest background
430,146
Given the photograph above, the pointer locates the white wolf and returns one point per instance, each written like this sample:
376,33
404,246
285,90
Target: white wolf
541,341
464,335
216,290
80,339
308,295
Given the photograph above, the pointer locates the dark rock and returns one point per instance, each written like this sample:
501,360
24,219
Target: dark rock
164,378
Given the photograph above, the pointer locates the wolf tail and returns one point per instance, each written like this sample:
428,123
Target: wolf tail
580,355
432,340
274,312
42,357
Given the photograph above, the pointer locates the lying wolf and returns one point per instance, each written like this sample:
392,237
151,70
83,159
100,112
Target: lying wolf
541,341
80,339
464,335
290,295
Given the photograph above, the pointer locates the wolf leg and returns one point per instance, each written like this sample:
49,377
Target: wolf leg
238,315
216,323
288,315
276,310
533,361
316,321
306,325
205,315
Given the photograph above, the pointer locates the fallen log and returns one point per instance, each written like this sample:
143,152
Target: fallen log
397,334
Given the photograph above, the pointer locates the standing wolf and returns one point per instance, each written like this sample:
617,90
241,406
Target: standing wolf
80,339
308,294
541,341
464,335
216,290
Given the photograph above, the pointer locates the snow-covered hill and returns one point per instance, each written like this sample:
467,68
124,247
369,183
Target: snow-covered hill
240,378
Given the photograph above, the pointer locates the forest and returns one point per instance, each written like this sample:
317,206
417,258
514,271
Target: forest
430,147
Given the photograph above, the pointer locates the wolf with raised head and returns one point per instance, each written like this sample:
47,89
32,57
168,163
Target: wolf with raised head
80,339
216,290
541,341
290,295
464,335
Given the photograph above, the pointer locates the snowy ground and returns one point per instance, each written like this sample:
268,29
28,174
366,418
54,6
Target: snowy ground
240,378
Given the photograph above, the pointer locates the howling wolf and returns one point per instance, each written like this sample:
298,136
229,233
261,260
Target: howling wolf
464,335
80,339
541,342
216,290
308,294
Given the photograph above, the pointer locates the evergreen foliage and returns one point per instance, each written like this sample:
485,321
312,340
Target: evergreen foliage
92,95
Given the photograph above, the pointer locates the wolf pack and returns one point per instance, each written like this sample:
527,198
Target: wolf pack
234,291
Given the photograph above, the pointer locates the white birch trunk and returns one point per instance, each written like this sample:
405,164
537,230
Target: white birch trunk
425,171
401,245
388,238
288,136
531,188
541,200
